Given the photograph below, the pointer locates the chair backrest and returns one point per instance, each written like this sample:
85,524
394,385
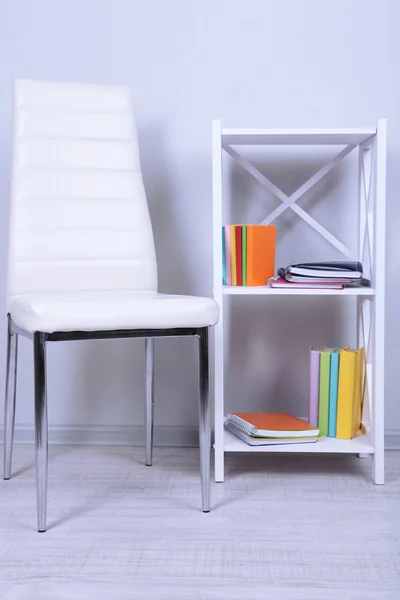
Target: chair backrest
79,216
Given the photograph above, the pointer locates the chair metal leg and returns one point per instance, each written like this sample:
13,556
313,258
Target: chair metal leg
205,420
149,349
41,431
9,405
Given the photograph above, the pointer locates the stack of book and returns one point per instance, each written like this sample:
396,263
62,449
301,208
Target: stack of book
248,254
329,275
337,382
267,429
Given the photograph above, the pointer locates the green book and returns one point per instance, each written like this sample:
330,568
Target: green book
324,387
244,254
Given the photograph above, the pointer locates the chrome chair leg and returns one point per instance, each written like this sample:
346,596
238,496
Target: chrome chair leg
41,431
205,421
149,349
9,405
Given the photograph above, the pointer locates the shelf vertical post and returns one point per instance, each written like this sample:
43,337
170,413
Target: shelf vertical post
367,202
360,244
218,297
378,424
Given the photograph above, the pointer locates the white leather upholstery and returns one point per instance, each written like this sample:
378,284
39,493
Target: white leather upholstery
81,242
94,311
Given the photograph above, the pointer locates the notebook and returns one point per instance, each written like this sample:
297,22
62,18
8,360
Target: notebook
228,258
233,255
324,381
350,392
238,236
272,424
305,283
315,280
261,241
345,269
244,254
313,397
260,441
333,392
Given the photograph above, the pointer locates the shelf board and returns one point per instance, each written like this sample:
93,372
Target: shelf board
253,137
243,290
359,444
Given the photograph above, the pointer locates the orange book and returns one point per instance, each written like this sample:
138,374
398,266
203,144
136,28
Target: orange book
261,241
273,424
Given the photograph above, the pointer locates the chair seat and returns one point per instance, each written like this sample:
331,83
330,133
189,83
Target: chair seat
104,311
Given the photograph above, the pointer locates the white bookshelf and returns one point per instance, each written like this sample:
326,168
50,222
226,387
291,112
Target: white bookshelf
370,143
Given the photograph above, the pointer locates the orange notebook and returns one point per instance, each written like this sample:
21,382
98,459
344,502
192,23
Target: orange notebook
261,241
273,424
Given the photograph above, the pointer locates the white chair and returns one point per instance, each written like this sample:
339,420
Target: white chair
82,262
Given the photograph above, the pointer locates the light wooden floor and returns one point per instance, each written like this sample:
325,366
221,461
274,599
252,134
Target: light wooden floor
282,528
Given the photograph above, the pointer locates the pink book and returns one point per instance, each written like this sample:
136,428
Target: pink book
279,282
313,400
228,255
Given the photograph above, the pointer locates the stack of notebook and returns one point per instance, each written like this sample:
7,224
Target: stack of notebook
330,275
267,429
248,254
337,378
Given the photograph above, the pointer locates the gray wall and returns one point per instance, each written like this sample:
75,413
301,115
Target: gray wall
254,63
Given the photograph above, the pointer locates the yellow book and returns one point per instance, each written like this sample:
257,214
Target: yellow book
360,390
350,393
233,255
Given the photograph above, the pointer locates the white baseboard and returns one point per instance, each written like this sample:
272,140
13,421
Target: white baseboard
114,435
392,439
124,435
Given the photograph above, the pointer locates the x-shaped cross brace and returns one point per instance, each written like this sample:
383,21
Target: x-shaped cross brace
366,206
290,201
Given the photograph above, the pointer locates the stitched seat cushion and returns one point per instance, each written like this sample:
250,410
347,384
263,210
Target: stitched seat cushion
96,311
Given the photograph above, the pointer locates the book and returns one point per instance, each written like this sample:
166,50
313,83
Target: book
315,280
331,265
238,236
244,254
279,282
359,390
324,377
262,441
223,257
228,258
333,392
319,281
272,424
335,269
313,398
233,255
261,241
350,392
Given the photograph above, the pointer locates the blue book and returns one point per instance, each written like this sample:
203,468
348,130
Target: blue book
223,257
333,392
